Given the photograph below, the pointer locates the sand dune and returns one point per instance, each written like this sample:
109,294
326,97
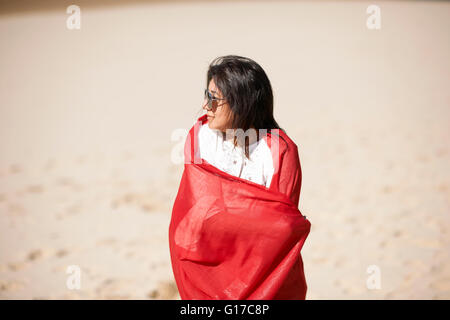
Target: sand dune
86,123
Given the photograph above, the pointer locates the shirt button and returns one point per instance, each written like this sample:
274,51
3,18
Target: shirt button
249,178
234,161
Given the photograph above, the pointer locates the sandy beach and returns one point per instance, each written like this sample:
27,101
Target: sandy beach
90,123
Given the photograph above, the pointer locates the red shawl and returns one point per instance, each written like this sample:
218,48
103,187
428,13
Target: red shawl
231,238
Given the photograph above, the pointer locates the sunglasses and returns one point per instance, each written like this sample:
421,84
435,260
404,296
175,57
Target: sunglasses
211,98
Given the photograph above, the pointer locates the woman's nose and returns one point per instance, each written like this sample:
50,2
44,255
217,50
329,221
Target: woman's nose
205,105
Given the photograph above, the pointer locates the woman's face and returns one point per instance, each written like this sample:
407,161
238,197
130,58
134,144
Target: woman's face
219,117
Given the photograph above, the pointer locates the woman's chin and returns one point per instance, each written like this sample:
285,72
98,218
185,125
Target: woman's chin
212,125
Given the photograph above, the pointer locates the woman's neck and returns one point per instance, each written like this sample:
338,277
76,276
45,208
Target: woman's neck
252,137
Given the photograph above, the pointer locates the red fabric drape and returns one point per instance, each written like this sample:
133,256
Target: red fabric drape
234,239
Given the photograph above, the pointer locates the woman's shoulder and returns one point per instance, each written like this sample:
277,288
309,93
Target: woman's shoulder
279,140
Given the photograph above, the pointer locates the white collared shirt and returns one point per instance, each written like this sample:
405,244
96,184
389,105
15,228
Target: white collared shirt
223,155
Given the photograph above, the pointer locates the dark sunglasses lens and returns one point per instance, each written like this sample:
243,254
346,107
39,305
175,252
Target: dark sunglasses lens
209,98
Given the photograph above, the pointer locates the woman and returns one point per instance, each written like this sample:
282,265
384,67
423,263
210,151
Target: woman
236,231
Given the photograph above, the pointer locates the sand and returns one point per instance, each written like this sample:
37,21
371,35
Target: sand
89,122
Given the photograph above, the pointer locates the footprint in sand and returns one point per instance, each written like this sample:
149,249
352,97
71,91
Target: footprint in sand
74,209
69,182
398,233
62,253
35,189
387,189
441,152
107,241
441,285
443,187
382,244
50,165
35,255
110,289
144,201
16,209
15,168
127,198
8,286
38,254
337,283
166,290
16,266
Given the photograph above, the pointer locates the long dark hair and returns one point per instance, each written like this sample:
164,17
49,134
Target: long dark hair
248,91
